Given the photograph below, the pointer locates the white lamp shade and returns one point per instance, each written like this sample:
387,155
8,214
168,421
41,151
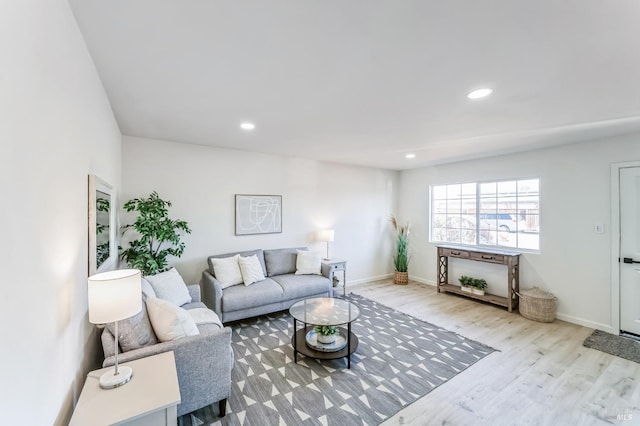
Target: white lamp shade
326,235
114,295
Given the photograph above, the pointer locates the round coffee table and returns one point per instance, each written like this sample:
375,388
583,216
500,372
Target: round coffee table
323,311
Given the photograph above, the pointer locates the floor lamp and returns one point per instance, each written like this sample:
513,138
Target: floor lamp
326,235
114,296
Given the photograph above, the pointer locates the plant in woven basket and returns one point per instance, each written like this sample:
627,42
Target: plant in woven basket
401,253
159,235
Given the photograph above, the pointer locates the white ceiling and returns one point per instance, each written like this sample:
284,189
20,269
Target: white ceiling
366,81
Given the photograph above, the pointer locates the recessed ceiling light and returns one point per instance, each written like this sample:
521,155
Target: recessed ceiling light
247,126
480,93
410,156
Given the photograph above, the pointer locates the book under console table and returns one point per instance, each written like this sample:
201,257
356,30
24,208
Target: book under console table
504,257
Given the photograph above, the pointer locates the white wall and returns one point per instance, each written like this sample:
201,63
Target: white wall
574,263
56,127
201,182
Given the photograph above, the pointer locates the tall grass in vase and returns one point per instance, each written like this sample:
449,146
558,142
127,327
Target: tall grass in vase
401,253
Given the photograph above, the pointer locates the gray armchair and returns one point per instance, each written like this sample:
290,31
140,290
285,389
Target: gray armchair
203,362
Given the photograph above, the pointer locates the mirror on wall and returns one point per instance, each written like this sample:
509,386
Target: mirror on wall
102,226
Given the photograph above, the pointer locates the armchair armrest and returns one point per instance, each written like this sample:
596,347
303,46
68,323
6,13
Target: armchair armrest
211,292
203,364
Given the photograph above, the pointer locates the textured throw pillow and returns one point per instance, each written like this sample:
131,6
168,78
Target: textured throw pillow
135,332
169,321
227,270
251,269
308,263
170,286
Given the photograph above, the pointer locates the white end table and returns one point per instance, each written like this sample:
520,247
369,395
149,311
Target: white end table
333,266
150,398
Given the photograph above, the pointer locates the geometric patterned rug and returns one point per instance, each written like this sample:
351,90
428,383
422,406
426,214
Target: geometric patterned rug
399,359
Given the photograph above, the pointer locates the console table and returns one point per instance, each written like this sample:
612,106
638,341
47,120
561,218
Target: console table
504,257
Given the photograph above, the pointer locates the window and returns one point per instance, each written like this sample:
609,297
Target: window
502,214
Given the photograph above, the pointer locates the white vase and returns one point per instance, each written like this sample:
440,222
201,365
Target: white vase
477,291
466,288
326,340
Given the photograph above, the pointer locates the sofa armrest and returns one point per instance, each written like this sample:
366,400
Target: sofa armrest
194,292
325,270
211,292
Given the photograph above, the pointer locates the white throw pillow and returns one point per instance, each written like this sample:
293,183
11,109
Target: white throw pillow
251,269
227,270
169,321
308,263
170,286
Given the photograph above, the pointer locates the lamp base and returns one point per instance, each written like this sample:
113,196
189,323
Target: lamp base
110,379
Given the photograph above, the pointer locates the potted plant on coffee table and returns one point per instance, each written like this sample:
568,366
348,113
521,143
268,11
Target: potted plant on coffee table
401,252
326,334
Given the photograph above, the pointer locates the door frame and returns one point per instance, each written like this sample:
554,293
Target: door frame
615,241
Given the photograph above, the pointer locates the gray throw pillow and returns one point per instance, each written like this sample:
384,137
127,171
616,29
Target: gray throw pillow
135,332
281,261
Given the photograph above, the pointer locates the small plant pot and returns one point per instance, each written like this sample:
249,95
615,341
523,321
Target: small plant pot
466,288
477,291
326,339
401,278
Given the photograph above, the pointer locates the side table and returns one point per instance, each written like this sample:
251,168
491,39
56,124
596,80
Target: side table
150,398
330,267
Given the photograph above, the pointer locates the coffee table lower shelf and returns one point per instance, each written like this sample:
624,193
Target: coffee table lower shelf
299,343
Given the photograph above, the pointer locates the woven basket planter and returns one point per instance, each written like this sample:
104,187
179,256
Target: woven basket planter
538,305
401,278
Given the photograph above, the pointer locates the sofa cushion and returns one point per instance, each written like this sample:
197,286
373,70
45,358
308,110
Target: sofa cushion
258,294
227,270
251,269
297,286
257,252
170,286
169,321
193,305
281,261
135,332
308,262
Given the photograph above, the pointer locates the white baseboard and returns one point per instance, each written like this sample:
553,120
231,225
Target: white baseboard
586,323
366,280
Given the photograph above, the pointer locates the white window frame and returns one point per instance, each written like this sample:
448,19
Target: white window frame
477,213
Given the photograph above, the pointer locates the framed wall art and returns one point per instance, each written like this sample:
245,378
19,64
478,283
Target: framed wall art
258,214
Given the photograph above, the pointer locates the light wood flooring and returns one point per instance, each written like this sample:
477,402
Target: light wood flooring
542,375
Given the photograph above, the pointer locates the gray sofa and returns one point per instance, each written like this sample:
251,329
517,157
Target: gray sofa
278,291
203,362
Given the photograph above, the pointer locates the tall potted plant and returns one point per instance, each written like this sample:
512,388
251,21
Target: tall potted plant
401,252
159,235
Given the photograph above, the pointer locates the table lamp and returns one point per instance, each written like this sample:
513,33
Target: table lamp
114,296
326,235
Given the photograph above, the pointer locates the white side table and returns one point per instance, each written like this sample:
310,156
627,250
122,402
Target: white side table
333,266
150,398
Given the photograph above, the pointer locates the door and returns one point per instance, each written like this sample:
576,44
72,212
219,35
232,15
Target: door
630,250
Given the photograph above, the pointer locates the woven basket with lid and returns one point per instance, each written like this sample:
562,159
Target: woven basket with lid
538,305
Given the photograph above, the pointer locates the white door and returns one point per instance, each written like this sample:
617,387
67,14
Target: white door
630,250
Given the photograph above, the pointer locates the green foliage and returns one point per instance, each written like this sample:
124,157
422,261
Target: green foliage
159,235
401,254
326,330
478,283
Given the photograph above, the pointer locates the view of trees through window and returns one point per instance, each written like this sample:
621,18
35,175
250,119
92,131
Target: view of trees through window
503,213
